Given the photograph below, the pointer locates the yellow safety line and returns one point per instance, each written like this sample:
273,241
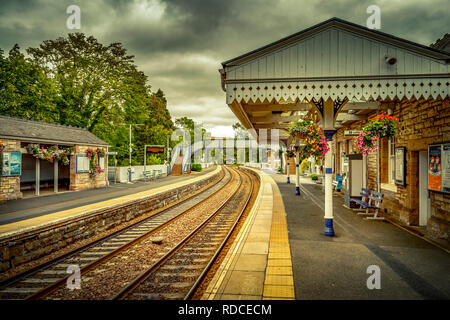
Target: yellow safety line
279,280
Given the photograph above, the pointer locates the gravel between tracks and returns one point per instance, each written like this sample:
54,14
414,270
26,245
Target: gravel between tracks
172,280
108,278
73,247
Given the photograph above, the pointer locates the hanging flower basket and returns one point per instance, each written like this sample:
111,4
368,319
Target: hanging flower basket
93,155
90,154
383,125
300,128
100,153
51,154
315,144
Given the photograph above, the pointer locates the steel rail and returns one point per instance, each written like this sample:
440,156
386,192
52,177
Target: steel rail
145,274
59,282
227,237
56,285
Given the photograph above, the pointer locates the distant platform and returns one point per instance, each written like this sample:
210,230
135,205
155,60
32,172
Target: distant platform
43,210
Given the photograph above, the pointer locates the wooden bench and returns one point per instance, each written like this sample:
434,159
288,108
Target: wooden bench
371,200
337,184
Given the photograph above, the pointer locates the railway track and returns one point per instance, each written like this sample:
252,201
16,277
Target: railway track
124,265
47,277
178,273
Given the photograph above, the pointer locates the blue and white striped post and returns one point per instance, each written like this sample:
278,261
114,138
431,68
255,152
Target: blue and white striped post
297,174
329,230
287,171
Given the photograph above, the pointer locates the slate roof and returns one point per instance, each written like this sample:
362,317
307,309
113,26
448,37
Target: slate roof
36,131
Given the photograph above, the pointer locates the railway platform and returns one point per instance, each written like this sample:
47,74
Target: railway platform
258,264
37,211
281,253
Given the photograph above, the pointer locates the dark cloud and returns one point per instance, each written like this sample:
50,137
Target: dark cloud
180,44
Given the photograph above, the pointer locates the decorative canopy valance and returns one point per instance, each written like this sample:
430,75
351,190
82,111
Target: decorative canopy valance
338,89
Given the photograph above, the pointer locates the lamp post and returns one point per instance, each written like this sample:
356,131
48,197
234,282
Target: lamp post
130,145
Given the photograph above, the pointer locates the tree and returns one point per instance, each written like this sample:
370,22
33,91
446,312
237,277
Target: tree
25,90
80,82
95,83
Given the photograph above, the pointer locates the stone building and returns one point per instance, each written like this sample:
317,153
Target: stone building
23,172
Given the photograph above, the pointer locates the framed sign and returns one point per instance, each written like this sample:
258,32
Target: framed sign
155,150
400,166
101,163
82,164
435,153
11,163
446,167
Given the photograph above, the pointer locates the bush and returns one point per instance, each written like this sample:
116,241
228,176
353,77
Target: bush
304,166
314,176
196,167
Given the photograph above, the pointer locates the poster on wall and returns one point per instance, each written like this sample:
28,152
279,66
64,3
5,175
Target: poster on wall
434,168
11,163
446,168
400,172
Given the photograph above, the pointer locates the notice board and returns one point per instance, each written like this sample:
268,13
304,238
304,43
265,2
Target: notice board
439,167
11,163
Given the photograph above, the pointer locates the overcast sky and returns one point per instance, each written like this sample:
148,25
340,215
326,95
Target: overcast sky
180,44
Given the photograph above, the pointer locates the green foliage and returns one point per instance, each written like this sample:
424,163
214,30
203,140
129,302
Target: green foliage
153,159
196,167
80,82
314,176
25,90
304,165
299,127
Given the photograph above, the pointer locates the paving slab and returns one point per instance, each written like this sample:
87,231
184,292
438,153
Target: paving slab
337,267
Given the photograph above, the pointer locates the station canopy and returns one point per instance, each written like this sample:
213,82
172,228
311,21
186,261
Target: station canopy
354,67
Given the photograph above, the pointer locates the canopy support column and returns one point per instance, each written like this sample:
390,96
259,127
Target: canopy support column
328,110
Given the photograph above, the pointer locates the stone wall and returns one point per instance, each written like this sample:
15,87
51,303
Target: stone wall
83,181
27,246
10,186
421,122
